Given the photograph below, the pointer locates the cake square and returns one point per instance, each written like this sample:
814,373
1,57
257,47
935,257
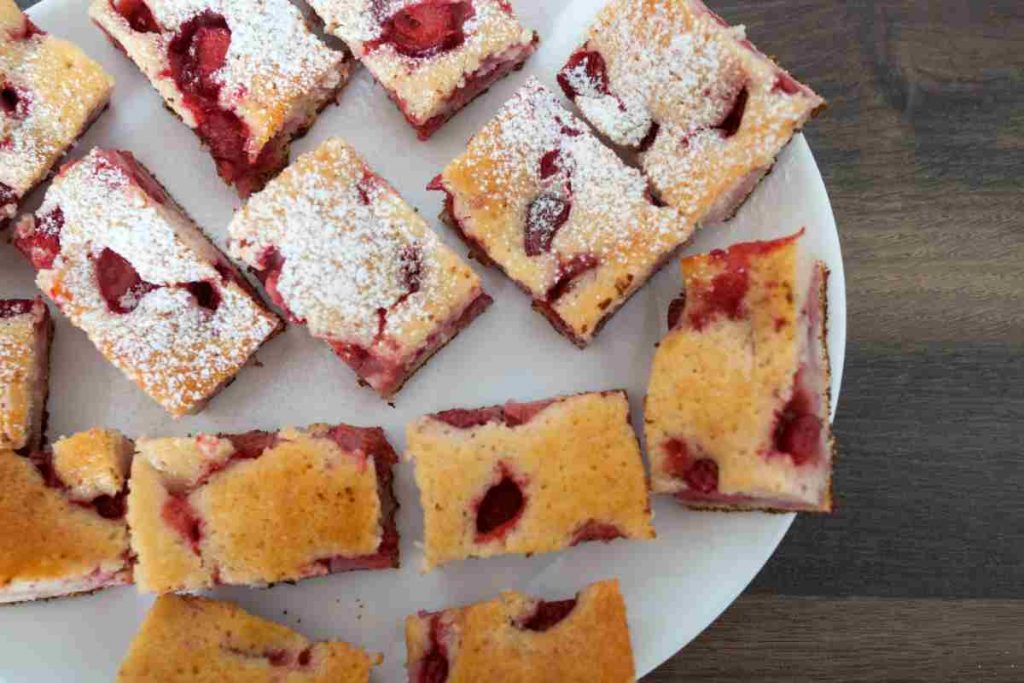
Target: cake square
584,639
529,477
340,251
25,333
707,111
433,57
199,640
127,266
737,413
540,197
62,526
259,508
247,76
50,93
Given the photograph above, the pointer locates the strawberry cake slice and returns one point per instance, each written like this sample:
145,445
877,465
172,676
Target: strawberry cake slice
126,265
25,333
540,197
247,76
259,507
62,526
529,477
340,251
706,110
737,414
433,57
199,640
50,93
584,639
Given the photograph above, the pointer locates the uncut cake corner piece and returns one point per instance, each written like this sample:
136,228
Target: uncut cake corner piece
539,196
706,110
247,76
737,410
433,57
340,251
50,93
125,264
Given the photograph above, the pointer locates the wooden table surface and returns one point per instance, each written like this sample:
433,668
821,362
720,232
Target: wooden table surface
919,575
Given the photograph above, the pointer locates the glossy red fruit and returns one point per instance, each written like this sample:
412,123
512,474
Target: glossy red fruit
546,214
548,614
427,28
595,68
499,509
569,272
137,14
119,283
730,125
205,294
14,101
42,245
467,419
702,476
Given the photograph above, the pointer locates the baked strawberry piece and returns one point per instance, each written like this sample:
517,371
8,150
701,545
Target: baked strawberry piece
706,110
25,334
247,76
198,640
529,477
340,251
50,92
539,196
62,526
259,507
127,266
433,57
584,639
738,407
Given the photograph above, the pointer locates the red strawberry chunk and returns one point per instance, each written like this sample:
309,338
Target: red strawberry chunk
137,14
591,64
548,614
547,213
499,509
427,28
42,245
119,283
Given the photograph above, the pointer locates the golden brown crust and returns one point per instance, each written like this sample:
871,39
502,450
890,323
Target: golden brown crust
93,463
576,461
721,382
50,545
200,640
487,641
202,511
25,333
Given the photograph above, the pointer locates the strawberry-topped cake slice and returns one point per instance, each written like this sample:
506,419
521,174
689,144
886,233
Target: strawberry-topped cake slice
247,76
62,518
538,195
514,637
25,333
529,477
433,57
126,265
737,414
189,639
340,251
705,109
259,507
50,92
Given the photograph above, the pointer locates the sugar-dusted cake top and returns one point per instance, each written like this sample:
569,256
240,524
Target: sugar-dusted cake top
348,256
195,639
257,58
49,91
424,50
558,211
126,265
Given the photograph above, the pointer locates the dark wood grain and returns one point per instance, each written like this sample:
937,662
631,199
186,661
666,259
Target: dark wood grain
766,639
922,150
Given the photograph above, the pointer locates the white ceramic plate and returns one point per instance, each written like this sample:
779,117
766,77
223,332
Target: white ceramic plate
674,586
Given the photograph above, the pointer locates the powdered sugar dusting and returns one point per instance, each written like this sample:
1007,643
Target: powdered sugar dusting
346,238
52,97
178,351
